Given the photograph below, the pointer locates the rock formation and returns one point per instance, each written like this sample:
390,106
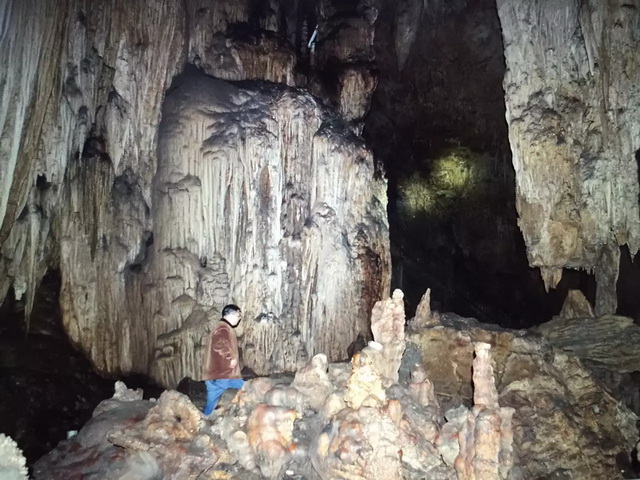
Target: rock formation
470,403
86,188
276,428
262,197
573,98
609,341
564,418
387,326
12,462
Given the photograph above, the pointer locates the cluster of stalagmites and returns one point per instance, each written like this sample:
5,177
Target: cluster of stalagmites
332,420
442,398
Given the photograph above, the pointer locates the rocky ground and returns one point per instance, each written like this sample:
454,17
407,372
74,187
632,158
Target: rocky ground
445,398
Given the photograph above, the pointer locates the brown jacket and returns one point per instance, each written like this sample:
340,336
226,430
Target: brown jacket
222,348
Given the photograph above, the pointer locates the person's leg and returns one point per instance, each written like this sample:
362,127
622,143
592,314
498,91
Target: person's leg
235,383
214,390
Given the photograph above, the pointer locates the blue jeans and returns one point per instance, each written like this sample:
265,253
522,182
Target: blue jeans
215,389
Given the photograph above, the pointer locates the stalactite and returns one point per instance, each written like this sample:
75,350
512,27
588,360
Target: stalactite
80,107
572,108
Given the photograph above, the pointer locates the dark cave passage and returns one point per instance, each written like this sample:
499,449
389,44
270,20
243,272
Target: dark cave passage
438,125
48,387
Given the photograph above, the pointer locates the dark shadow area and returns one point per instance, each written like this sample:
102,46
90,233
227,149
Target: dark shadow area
437,123
48,387
629,285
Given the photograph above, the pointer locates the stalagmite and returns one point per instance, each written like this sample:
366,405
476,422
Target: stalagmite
576,305
577,424
366,430
387,325
270,432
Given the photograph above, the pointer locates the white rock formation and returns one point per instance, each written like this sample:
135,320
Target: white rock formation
13,465
573,108
79,174
261,199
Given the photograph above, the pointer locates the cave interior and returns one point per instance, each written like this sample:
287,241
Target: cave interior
304,159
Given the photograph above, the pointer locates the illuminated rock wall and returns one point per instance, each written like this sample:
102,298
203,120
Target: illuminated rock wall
573,98
79,174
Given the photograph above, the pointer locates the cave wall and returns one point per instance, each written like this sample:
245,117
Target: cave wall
573,98
80,173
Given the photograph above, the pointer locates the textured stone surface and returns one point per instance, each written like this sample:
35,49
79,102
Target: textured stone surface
273,429
564,421
576,306
13,465
524,411
387,326
573,99
609,341
262,198
83,190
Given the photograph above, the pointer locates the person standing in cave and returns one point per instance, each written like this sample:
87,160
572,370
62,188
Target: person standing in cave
222,365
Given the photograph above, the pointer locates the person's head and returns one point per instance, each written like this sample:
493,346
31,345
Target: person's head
232,315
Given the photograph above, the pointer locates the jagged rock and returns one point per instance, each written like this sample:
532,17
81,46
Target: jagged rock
563,420
363,430
13,465
424,317
365,385
572,100
313,381
270,433
610,341
421,388
173,431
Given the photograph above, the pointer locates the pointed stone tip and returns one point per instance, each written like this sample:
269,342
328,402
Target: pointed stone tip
551,276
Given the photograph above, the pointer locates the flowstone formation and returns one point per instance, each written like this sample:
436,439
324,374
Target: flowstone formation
573,99
262,195
86,189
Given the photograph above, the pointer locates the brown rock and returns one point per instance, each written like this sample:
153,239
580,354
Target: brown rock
562,420
610,341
